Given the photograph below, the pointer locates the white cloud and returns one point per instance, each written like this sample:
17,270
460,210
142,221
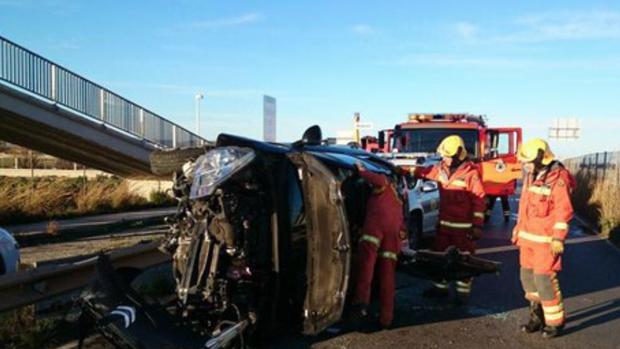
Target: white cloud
363,29
466,31
572,25
499,62
243,19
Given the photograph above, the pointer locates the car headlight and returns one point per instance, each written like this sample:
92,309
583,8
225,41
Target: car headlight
216,166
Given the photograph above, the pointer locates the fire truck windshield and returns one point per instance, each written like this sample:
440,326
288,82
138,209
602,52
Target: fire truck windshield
426,140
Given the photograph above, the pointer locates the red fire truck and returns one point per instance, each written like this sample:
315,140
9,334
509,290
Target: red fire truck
494,149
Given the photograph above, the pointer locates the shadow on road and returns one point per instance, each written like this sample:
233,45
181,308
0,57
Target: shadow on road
593,316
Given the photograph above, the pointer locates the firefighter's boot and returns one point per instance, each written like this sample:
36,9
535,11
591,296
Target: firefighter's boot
552,331
439,290
536,321
357,316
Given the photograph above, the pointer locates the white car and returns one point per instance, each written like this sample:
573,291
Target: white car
423,199
9,253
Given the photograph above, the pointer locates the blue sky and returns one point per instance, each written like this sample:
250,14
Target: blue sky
522,63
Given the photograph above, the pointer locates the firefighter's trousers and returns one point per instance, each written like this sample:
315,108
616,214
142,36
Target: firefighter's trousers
458,238
540,283
381,248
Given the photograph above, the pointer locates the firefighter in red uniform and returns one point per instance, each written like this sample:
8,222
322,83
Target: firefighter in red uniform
461,207
545,210
381,238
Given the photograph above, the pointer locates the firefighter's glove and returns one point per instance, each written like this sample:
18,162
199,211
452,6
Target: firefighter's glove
403,235
557,247
476,233
515,236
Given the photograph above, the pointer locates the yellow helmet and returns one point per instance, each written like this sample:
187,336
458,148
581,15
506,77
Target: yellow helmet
450,145
529,150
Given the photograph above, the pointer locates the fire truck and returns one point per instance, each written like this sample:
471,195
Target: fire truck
494,149
414,143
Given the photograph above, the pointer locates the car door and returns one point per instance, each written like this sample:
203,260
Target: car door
500,163
429,196
329,251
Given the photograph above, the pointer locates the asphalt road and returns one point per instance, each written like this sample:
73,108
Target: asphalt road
590,284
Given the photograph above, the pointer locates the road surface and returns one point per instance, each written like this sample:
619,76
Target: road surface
590,284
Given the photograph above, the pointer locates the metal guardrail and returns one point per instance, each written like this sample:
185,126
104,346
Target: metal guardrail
29,71
39,284
603,166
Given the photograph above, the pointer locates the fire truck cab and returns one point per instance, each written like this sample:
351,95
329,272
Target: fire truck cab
414,143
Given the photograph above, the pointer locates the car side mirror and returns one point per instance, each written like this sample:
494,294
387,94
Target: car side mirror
429,186
312,136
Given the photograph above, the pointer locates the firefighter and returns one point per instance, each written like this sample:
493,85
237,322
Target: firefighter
544,213
491,199
380,243
461,207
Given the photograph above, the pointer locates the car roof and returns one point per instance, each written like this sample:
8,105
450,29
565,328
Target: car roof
334,155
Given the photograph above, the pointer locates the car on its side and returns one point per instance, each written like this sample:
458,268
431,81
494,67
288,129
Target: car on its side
263,241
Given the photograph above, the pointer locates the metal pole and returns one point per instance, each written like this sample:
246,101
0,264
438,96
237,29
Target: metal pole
356,130
198,98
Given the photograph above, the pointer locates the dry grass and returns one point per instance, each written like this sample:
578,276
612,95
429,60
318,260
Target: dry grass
47,198
598,200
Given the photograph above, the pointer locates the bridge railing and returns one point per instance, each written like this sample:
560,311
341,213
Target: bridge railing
29,71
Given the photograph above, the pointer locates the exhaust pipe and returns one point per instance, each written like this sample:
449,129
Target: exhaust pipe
227,336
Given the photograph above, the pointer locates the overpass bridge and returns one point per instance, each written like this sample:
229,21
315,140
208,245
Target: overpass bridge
48,108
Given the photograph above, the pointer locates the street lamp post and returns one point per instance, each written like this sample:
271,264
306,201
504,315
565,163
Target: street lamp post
198,98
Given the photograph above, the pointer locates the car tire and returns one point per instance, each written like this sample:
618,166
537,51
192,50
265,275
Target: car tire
166,162
415,231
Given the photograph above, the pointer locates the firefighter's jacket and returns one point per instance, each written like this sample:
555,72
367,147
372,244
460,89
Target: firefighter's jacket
384,209
462,200
545,208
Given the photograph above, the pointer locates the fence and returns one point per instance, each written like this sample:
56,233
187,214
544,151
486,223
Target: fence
598,188
603,166
26,70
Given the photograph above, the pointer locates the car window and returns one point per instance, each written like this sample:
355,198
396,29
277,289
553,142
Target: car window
295,198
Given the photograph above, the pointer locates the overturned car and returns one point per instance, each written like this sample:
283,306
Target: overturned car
262,241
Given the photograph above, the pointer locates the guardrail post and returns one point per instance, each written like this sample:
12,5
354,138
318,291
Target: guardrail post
142,122
54,92
101,105
174,136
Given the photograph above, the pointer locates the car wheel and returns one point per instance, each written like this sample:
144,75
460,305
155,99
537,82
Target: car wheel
415,231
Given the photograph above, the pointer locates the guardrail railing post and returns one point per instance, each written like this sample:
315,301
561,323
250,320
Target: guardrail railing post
101,105
141,122
174,136
53,73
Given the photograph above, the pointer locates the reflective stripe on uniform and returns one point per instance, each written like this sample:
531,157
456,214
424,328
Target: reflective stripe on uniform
546,191
463,287
372,239
456,225
378,190
553,317
479,214
388,255
459,183
532,296
553,308
533,237
507,213
560,226
442,285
